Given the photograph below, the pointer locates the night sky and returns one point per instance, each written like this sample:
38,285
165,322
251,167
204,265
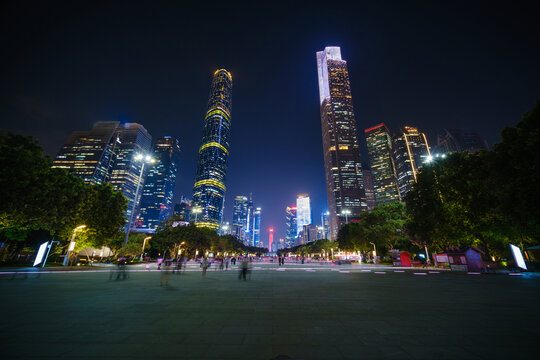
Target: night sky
426,64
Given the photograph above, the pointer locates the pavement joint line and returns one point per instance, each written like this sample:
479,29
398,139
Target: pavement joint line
344,271
473,273
434,272
366,270
399,271
380,272
423,273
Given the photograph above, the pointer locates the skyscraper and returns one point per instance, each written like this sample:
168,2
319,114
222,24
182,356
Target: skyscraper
250,221
325,225
257,228
410,148
290,226
158,190
368,188
383,170
90,154
458,140
303,212
209,187
240,206
183,209
106,153
344,183
134,139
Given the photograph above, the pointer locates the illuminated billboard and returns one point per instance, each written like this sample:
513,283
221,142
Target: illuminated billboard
518,257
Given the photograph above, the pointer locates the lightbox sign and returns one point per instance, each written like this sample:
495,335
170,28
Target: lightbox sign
40,253
518,257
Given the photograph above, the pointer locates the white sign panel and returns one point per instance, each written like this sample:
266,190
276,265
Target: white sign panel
518,257
40,253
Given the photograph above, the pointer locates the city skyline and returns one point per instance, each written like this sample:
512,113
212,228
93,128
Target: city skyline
404,68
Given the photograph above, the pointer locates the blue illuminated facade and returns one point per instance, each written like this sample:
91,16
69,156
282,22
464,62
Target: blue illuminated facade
209,188
157,197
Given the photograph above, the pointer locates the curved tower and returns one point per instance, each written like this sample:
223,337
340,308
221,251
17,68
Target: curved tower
209,187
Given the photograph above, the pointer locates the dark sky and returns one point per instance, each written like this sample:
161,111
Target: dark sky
428,64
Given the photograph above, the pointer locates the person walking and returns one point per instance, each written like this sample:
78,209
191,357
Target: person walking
244,270
227,263
204,266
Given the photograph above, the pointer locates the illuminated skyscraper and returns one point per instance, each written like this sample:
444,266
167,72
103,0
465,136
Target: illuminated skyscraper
90,155
290,226
344,183
134,139
325,225
107,154
303,213
158,191
257,228
209,187
410,148
383,170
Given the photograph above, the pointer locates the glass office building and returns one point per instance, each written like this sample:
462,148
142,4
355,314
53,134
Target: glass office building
411,149
383,170
158,191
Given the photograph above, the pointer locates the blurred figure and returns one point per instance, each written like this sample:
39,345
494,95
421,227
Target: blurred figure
205,266
227,263
165,274
244,269
122,273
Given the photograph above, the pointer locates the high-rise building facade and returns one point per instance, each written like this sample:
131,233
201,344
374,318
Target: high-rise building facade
325,225
257,228
458,140
250,221
303,212
383,170
90,155
209,187
158,191
343,169
411,149
240,211
106,153
134,139
290,226
368,189
183,209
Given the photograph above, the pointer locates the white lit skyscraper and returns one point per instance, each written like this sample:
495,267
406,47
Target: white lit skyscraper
303,212
343,169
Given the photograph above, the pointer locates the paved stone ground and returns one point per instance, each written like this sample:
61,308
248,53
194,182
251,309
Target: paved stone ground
304,313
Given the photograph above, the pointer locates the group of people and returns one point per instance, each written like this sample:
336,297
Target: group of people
281,260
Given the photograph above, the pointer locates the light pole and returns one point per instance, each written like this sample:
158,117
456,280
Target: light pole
346,213
145,160
144,245
196,210
72,244
374,251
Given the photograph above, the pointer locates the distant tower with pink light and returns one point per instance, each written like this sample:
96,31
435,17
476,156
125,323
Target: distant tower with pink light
270,239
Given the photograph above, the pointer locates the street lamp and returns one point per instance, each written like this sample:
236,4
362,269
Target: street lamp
374,249
145,159
346,213
196,210
144,245
72,244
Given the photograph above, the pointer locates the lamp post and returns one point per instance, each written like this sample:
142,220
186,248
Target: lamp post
144,245
72,244
145,160
346,213
374,251
196,210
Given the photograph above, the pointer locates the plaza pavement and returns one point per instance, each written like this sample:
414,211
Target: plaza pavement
298,311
